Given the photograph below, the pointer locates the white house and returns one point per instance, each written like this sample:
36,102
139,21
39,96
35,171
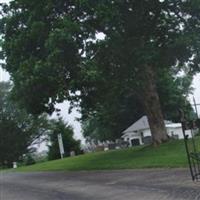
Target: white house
139,132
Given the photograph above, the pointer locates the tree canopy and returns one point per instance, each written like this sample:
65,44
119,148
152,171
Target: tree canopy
111,116
52,51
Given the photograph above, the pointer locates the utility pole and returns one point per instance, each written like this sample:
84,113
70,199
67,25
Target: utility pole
195,106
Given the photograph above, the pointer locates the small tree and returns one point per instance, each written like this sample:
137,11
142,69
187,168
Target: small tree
18,129
69,143
28,159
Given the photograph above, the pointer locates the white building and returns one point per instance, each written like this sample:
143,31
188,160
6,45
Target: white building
139,132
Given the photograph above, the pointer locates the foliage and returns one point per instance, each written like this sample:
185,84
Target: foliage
28,160
173,91
59,53
18,130
114,115
48,57
69,143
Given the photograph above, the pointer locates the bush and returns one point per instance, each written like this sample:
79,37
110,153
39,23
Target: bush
28,160
69,143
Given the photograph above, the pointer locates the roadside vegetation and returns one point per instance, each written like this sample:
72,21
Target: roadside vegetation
167,155
20,132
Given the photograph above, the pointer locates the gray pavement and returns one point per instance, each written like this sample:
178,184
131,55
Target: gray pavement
152,184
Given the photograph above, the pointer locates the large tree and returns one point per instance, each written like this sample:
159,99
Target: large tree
118,109
51,49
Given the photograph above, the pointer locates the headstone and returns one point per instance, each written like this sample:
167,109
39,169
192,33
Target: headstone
106,148
112,146
99,148
72,153
14,165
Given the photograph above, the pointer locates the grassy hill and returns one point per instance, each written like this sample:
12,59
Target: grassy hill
171,154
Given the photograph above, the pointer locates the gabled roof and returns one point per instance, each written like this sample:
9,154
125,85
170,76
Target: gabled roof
140,124
143,124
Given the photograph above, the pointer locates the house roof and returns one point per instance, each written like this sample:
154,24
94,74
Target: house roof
143,124
140,124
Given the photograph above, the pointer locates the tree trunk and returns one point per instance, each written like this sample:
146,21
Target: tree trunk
152,108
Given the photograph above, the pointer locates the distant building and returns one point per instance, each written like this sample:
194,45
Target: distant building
139,133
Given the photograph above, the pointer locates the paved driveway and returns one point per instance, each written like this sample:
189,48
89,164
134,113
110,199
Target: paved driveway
164,184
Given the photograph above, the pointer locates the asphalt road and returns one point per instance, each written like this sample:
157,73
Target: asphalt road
157,184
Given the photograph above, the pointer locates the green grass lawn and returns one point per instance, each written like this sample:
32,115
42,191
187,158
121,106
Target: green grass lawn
171,154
